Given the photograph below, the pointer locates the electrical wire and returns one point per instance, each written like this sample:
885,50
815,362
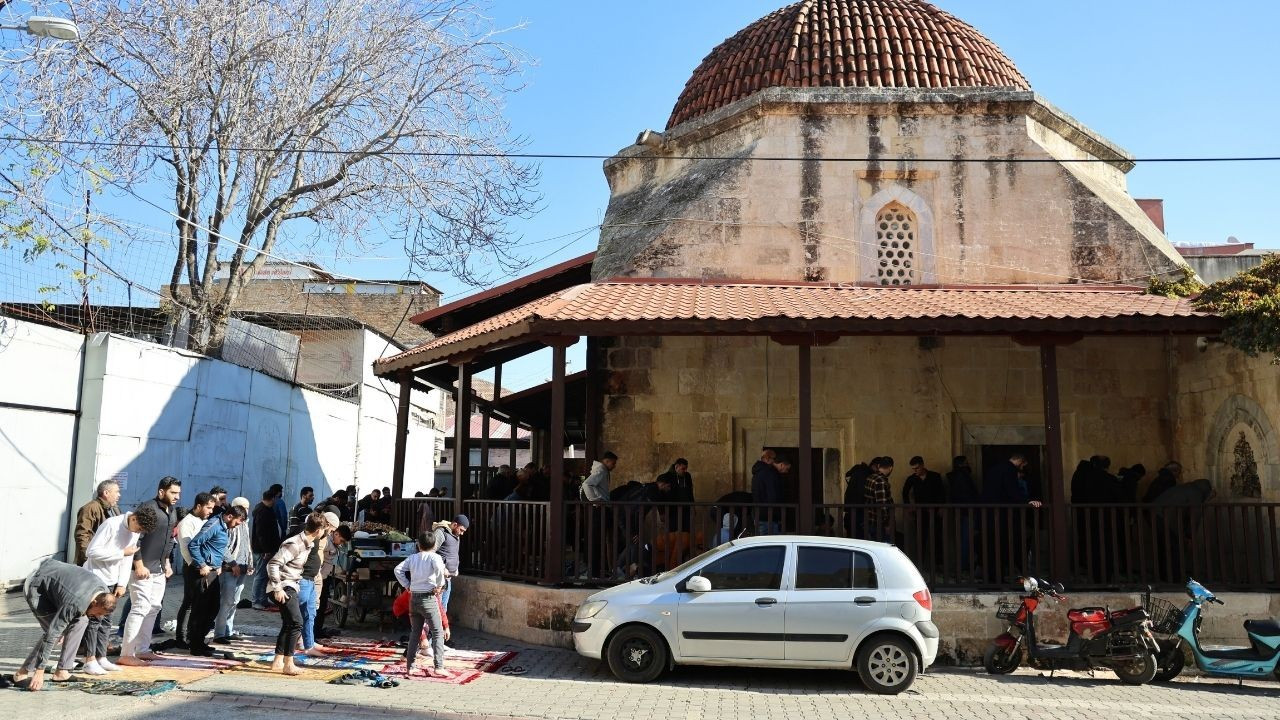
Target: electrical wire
594,156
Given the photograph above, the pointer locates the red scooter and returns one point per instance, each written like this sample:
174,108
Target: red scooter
1121,642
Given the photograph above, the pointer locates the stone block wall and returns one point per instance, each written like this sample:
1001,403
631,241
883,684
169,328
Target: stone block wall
743,213
717,400
1223,396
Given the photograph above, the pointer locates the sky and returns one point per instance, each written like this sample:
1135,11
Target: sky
1170,78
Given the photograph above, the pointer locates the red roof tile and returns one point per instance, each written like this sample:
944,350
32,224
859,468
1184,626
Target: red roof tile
847,43
682,307
498,430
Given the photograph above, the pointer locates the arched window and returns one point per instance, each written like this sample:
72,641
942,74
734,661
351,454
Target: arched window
896,228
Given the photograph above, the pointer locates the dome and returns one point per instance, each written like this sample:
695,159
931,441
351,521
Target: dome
847,43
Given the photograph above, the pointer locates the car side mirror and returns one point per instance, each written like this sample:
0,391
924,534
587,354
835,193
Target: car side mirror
698,584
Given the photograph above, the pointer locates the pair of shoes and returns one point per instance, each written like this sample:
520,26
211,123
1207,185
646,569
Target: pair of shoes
221,641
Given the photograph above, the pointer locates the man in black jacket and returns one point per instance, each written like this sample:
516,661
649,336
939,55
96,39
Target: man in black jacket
62,597
264,540
768,488
152,569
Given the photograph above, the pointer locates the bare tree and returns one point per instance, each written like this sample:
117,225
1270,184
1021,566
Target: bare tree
278,116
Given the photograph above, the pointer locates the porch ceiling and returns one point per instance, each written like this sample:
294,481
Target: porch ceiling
692,307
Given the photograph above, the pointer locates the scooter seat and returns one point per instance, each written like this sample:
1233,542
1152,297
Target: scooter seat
1262,628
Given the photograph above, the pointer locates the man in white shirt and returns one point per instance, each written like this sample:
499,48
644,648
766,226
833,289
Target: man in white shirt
108,557
187,529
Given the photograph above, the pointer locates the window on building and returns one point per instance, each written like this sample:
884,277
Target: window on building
819,568
895,245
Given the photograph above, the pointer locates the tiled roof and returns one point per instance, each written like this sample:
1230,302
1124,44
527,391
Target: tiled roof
681,307
847,43
498,430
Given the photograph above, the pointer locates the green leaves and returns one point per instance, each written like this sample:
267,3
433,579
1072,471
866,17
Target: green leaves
1250,301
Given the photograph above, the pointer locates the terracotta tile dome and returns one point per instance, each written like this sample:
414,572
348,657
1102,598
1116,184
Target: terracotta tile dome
847,43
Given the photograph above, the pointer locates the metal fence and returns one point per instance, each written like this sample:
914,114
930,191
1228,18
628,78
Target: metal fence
1231,546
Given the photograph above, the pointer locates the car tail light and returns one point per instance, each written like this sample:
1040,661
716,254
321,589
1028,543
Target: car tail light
925,599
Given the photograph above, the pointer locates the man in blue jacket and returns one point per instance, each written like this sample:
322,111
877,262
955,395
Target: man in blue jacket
208,549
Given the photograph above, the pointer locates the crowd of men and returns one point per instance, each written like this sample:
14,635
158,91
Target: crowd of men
283,556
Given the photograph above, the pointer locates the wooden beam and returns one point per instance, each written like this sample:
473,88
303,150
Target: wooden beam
593,413
552,569
1058,524
402,434
461,436
804,465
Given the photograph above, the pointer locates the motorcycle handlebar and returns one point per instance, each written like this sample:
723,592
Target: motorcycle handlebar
1216,600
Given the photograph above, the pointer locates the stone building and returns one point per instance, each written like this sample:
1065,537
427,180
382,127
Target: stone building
862,233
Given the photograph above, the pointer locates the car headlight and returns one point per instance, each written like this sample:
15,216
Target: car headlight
591,609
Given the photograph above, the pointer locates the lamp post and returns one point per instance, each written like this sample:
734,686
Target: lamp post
50,27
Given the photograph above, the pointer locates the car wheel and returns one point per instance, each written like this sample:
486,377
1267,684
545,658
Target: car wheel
887,665
637,655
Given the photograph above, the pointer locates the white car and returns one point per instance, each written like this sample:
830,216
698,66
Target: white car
787,601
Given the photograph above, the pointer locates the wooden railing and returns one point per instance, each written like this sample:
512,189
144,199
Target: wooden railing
1231,546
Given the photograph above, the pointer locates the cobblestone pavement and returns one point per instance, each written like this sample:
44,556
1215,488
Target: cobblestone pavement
558,684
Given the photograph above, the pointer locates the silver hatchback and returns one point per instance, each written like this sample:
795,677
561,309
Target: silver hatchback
787,601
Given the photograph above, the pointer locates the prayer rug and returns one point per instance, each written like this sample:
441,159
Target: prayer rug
458,676
133,688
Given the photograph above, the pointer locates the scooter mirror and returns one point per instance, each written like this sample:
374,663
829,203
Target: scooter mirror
1057,587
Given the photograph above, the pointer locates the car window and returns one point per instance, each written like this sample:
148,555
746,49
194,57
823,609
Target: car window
822,568
756,568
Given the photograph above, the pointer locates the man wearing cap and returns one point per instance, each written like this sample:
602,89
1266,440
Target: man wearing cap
448,536
237,566
339,535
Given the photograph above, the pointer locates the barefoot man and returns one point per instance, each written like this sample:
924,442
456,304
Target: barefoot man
62,597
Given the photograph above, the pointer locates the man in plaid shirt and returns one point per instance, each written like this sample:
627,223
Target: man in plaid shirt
879,492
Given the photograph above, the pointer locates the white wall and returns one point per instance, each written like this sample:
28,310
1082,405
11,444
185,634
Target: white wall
377,438
39,366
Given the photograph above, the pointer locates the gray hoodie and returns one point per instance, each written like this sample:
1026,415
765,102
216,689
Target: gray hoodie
596,487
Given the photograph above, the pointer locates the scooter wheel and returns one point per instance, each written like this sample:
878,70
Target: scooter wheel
1171,664
1000,660
1137,672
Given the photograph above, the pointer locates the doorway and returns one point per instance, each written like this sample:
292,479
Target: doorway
815,481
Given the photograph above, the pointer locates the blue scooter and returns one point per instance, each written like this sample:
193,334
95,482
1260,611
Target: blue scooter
1260,659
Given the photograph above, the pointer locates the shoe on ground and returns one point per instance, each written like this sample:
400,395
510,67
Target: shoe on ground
237,636
244,604
107,665
221,641
202,651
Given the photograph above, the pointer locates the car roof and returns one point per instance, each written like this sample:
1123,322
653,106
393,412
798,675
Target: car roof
823,539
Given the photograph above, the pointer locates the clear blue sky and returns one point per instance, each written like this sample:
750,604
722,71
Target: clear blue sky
1171,78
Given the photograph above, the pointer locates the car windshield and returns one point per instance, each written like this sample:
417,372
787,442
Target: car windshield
679,569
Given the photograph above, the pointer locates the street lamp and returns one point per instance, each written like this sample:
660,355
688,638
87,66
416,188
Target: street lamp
50,27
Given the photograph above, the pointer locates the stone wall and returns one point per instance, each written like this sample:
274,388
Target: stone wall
750,210
1223,396
718,400
967,622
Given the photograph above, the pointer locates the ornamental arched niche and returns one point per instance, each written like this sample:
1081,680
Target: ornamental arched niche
1241,457
895,239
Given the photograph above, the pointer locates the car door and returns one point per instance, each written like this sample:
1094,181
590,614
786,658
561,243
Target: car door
834,594
742,615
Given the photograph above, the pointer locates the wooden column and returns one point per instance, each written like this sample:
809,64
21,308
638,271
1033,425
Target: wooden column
483,489
593,415
1059,563
513,447
402,433
555,449
461,435
804,464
